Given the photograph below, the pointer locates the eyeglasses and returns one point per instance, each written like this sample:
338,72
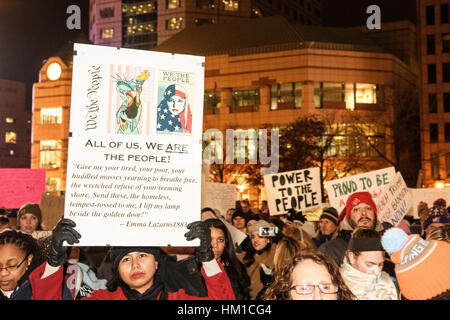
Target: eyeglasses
14,268
327,288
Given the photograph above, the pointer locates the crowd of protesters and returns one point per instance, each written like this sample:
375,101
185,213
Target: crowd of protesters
343,256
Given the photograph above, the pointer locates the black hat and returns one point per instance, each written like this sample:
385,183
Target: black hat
117,253
238,213
330,213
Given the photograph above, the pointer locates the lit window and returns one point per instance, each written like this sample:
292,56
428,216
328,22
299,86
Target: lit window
11,137
51,115
52,184
245,97
231,5
174,23
257,12
50,153
366,93
446,42
10,120
107,33
173,4
354,140
11,152
246,143
286,94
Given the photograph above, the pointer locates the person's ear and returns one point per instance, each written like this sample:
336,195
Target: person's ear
156,265
351,257
30,258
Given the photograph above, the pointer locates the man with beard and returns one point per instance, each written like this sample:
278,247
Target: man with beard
360,211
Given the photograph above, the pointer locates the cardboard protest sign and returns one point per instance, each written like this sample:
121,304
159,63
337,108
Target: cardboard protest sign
52,208
20,186
428,195
221,196
298,190
135,152
374,181
394,202
315,213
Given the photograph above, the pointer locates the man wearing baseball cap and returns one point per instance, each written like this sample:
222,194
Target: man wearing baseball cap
360,211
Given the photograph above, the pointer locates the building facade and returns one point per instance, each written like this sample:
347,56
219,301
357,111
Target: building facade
269,82
142,24
51,115
434,53
15,128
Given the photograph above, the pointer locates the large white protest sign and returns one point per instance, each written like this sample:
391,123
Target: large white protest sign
428,195
221,196
134,159
298,190
394,202
374,181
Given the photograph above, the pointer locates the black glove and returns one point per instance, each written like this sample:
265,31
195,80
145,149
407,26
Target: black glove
63,232
198,229
266,279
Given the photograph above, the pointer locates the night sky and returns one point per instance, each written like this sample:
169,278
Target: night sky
30,32
33,30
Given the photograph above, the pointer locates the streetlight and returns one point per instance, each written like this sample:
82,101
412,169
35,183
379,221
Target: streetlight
439,183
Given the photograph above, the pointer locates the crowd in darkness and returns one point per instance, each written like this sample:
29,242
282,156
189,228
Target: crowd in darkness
244,254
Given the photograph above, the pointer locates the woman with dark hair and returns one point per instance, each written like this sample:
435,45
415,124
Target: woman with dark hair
22,276
259,260
310,275
223,250
136,269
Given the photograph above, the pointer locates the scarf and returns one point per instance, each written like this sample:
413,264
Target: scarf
150,294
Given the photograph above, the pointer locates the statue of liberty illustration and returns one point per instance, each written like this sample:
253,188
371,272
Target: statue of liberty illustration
129,112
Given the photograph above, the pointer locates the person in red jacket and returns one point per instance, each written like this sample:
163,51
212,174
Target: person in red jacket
136,268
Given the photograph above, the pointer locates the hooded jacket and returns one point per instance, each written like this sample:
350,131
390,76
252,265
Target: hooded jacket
368,286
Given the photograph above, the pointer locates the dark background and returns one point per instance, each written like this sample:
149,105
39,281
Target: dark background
33,30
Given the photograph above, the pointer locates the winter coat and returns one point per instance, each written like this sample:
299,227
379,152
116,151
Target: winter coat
35,288
368,286
337,248
218,288
253,270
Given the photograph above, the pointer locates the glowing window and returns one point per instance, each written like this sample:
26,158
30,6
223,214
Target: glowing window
51,115
174,23
107,33
231,5
10,120
366,93
50,153
11,137
52,184
173,4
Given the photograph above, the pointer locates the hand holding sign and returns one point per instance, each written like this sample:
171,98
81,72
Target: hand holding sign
198,229
63,232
